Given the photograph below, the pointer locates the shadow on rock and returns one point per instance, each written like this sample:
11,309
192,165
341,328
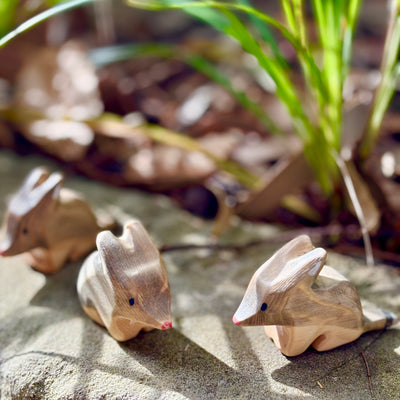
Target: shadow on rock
19,331
54,303
59,291
346,366
181,365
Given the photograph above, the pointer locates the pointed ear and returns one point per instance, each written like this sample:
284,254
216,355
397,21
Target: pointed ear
134,248
270,270
34,178
301,271
129,254
136,234
110,248
37,192
48,190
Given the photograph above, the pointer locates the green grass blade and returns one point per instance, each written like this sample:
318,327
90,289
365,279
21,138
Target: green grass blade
203,12
265,34
208,69
237,30
353,11
30,23
158,5
8,11
299,16
107,55
284,86
293,10
110,54
330,17
287,8
390,72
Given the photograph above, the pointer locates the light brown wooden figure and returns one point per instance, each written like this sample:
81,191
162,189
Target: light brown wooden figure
48,223
124,286
301,302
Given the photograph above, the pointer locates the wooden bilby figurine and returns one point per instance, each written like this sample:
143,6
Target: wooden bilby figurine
124,286
49,224
302,302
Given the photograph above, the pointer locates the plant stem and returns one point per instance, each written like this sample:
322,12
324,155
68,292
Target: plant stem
30,23
390,73
358,209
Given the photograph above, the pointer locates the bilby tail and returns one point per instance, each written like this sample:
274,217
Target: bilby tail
378,320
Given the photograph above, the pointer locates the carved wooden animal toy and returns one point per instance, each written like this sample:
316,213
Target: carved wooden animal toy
302,302
124,286
48,223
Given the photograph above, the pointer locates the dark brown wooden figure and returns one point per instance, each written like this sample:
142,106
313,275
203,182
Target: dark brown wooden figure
301,302
124,286
48,223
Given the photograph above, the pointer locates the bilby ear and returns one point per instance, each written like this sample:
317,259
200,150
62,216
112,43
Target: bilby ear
142,243
110,249
35,178
37,192
272,268
300,271
133,250
49,189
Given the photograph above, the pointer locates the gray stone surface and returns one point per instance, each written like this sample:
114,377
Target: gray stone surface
49,349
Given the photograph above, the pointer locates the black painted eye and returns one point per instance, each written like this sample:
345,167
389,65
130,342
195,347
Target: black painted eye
131,301
264,306
25,231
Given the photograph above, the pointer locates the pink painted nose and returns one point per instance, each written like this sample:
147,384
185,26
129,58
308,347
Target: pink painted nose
235,321
4,248
166,325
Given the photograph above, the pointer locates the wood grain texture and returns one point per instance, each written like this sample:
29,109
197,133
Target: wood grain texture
124,286
48,223
303,302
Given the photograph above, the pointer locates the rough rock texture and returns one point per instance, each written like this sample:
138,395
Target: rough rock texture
49,349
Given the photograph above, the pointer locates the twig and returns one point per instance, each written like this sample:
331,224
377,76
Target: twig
316,233
367,369
353,250
340,366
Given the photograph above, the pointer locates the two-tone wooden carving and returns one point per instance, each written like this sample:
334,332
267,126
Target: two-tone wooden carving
303,302
124,286
48,223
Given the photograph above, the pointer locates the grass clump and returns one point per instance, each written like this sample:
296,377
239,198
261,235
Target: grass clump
316,110
316,114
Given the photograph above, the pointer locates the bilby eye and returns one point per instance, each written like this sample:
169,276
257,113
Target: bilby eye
264,306
131,301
